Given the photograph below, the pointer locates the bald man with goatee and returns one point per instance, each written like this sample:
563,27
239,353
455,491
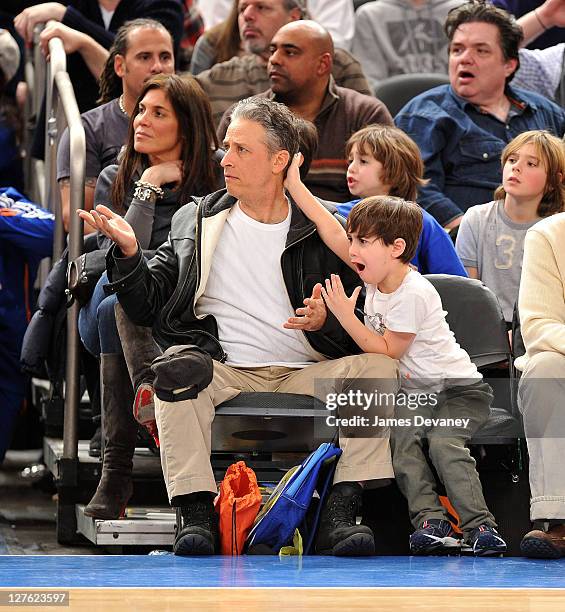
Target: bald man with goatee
300,74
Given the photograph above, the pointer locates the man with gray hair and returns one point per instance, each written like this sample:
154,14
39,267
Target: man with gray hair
232,279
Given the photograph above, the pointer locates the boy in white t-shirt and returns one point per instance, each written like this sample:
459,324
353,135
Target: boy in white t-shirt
404,319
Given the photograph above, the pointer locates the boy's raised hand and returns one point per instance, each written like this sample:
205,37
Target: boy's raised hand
113,226
293,179
336,299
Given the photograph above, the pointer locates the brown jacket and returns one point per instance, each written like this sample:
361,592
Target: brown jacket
240,77
343,112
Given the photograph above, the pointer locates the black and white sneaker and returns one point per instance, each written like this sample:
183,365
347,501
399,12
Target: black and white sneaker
435,537
484,541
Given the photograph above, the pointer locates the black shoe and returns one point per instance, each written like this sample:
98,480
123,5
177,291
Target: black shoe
112,495
339,533
196,531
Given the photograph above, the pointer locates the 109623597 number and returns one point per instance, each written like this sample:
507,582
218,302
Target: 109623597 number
34,598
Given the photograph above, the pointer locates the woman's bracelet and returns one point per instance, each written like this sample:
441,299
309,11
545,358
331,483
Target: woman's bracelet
539,20
156,190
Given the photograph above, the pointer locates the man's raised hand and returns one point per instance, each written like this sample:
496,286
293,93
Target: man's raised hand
313,316
26,21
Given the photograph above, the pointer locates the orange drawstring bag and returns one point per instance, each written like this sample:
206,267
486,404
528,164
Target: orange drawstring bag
238,504
453,517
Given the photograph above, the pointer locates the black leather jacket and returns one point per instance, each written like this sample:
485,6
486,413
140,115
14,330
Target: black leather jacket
161,293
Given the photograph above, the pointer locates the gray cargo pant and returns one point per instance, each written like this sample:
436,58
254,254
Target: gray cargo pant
449,455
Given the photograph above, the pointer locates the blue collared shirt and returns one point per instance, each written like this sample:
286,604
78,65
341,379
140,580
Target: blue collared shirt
461,146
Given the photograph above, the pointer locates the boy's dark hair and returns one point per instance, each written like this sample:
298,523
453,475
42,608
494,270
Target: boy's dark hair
510,34
308,139
388,218
403,168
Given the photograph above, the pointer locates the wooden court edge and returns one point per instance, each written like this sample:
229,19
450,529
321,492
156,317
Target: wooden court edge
307,598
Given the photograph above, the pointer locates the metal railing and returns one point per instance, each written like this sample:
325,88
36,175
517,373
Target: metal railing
65,91
55,121
34,71
62,109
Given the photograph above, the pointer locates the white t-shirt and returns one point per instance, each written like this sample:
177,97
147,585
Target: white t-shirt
337,16
106,16
246,294
434,355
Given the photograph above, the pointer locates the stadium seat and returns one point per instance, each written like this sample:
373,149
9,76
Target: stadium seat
475,317
398,90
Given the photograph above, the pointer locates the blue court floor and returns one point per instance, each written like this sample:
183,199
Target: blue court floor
249,572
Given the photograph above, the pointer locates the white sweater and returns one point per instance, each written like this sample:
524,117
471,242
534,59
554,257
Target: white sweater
541,300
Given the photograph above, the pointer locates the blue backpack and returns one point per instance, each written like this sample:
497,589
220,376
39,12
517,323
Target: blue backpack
288,504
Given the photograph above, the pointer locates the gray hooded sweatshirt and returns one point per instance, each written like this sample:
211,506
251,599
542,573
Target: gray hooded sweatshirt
396,37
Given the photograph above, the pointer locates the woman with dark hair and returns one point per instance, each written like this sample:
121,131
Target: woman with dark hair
218,44
171,142
171,154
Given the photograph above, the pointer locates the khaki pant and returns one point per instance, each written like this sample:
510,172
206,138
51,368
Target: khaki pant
185,427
